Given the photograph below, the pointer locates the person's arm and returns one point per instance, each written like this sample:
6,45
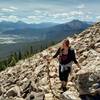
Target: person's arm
56,54
75,61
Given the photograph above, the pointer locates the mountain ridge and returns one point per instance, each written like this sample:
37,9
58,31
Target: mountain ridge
59,31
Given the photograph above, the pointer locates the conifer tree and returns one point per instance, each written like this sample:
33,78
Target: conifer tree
19,55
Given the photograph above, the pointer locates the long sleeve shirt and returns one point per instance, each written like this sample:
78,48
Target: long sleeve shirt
68,58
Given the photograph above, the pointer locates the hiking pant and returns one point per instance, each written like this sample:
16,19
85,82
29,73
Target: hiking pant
63,76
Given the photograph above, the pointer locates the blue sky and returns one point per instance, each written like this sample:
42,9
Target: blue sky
58,11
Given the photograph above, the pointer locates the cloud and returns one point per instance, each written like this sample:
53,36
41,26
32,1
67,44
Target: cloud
12,17
9,9
9,18
27,19
37,11
33,18
45,15
87,17
12,7
65,15
81,6
98,18
41,12
76,13
58,15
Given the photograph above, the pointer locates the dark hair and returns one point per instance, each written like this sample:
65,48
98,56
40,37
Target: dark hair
66,41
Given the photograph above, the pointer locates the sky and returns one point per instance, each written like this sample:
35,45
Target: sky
57,11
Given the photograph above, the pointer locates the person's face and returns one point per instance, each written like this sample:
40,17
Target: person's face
64,45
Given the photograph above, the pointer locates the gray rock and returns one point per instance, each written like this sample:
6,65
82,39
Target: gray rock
49,96
14,91
11,93
27,88
85,80
69,95
82,58
35,96
98,50
26,85
0,91
17,98
97,45
2,98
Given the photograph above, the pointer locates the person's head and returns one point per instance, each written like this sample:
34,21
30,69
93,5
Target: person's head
65,43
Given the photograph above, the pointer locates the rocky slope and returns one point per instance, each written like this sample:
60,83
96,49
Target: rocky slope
30,80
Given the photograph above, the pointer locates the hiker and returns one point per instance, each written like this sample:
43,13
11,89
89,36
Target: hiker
66,58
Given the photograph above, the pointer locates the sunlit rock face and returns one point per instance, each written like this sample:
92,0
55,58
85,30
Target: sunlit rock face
30,80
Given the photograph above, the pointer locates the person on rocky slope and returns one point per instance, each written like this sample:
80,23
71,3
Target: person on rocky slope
66,56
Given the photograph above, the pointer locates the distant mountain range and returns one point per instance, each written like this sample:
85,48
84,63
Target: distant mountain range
44,30
6,25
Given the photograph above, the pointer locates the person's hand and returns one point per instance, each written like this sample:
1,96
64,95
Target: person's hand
77,70
79,67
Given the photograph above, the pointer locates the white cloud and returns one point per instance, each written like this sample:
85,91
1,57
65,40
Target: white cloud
12,7
41,15
12,17
28,19
98,18
9,18
9,9
87,17
58,15
31,19
76,13
37,11
66,16
45,15
81,6
41,12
